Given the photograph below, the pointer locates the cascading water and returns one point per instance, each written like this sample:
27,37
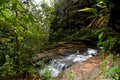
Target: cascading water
57,65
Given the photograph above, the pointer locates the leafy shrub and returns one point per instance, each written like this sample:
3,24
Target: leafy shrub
46,75
70,75
113,73
22,35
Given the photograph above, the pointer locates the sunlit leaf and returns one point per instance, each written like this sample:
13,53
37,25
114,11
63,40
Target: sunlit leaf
7,13
100,35
2,19
20,38
113,70
29,32
90,10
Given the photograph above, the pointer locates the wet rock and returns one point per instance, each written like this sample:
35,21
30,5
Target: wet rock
68,52
86,70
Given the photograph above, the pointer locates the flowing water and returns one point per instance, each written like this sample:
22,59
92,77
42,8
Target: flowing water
55,66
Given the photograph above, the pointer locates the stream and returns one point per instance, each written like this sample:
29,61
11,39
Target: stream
66,59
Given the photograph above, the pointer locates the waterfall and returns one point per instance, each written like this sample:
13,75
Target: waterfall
55,66
58,65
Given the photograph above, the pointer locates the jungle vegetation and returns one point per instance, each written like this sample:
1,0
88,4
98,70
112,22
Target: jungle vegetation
27,28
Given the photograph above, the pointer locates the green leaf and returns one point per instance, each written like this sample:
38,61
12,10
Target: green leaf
2,2
20,38
6,13
31,17
100,35
114,69
99,44
15,4
106,45
90,10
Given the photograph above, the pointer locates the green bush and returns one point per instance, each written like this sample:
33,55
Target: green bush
113,73
22,35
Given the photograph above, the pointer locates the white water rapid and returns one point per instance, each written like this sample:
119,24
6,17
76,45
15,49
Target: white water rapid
57,65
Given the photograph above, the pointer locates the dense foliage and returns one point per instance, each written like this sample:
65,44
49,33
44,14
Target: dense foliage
103,24
107,29
24,28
